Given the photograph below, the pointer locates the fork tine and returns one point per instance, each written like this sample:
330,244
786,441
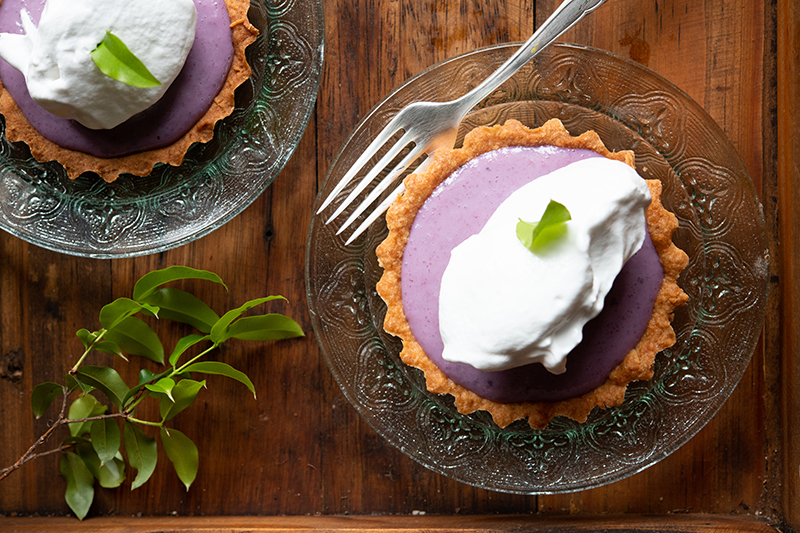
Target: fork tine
386,133
383,206
373,173
382,186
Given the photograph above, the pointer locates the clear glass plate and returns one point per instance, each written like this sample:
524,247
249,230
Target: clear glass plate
721,228
176,205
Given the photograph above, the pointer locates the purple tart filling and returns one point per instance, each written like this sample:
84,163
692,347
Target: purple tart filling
186,101
460,207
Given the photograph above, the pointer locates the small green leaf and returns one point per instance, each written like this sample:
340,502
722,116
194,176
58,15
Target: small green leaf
162,386
115,60
111,474
104,379
86,336
73,385
105,438
109,347
184,307
145,376
114,313
148,283
184,344
222,369
183,454
534,235
84,407
183,395
264,328
142,453
80,484
43,395
137,338
220,328
89,337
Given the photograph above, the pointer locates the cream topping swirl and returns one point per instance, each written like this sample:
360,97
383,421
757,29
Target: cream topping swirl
502,306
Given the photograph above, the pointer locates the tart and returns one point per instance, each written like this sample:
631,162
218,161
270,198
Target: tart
594,378
119,152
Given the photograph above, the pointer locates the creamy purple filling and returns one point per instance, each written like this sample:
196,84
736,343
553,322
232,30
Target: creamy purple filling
460,207
186,101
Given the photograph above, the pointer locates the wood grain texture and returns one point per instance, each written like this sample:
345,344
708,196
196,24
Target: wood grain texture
301,449
367,524
788,15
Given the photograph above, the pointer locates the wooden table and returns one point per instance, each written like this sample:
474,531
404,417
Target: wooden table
300,457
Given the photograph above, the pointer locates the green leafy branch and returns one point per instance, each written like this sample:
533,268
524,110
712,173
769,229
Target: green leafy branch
93,450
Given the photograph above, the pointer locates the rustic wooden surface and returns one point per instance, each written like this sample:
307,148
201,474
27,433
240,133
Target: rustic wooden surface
301,449
394,524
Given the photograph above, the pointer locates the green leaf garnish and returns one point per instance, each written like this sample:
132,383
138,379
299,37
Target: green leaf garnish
115,60
535,235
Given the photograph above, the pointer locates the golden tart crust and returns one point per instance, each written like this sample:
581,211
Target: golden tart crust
140,164
637,365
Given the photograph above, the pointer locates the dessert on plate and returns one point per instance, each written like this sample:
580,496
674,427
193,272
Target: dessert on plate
531,273
56,98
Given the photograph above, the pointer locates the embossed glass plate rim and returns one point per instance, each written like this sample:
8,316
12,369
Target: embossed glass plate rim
621,473
301,108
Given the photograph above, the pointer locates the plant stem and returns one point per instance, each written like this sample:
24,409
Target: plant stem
145,422
28,455
192,360
88,349
98,417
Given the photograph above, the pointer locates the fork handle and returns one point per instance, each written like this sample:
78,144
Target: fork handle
562,19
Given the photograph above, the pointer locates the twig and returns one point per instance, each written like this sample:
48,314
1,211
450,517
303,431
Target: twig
28,455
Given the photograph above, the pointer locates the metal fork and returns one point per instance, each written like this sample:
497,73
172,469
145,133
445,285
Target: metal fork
428,126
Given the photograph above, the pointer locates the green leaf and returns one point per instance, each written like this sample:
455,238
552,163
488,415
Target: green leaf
184,344
84,407
106,380
221,326
183,395
105,438
145,376
86,336
111,474
184,307
89,337
137,338
163,386
73,385
114,313
43,395
148,283
115,60
534,235
183,454
264,328
142,453
80,484
222,369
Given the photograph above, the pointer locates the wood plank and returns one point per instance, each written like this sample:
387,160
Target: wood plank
788,16
389,524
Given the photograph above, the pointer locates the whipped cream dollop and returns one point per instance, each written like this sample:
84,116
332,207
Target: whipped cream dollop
502,306
61,76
